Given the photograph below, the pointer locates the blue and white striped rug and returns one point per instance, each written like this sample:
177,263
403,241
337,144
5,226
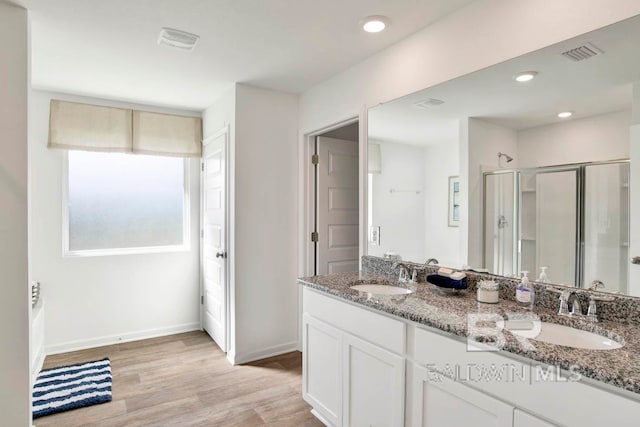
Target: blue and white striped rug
70,387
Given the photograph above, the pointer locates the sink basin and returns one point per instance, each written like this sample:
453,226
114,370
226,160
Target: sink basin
564,335
381,289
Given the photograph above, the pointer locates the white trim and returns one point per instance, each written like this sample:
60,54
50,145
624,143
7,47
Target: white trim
117,339
224,131
320,418
276,350
186,224
305,196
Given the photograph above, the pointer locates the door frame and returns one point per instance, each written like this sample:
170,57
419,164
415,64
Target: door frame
306,193
229,263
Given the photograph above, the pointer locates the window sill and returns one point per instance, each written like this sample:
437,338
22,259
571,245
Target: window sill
125,251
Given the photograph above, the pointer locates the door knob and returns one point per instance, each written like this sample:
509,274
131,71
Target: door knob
635,260
221,254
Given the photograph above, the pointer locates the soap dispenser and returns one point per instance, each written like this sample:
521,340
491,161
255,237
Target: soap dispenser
525,293
543,275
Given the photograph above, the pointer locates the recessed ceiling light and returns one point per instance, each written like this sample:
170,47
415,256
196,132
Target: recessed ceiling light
375,23
525,76
565,114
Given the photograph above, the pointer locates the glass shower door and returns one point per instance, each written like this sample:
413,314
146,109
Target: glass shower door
549,224
606,231
499,224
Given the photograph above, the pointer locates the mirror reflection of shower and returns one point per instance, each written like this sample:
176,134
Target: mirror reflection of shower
507,157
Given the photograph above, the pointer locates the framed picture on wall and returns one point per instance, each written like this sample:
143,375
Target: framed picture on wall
454,201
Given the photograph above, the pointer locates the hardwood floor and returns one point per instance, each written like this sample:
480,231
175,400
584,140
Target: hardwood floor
185,380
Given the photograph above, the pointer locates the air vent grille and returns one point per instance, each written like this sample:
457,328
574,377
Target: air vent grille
429,103
583,52
177,38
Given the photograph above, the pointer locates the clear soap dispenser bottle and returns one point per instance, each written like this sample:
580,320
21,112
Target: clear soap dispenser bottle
543,275
525,293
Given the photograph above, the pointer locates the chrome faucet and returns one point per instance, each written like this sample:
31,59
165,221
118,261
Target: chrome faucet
565,296
576,307
595,285
404,270
431,261
407,273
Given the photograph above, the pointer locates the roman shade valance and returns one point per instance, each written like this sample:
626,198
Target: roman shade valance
76,126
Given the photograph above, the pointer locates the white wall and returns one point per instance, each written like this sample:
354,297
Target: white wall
262,252
94,301
485,141
15,306
401,215
440,241
595,138
265,222
480,35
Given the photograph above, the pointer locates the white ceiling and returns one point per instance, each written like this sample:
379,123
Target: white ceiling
108,48
594,86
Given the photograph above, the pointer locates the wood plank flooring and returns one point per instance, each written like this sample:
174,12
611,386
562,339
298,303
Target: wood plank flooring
185,380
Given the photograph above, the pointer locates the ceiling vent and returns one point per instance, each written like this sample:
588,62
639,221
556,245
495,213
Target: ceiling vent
429,103
583,52
178,39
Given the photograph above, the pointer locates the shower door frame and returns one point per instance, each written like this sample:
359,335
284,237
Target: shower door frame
580,169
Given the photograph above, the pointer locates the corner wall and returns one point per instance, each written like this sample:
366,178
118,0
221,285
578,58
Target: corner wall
94,301
262,219
485,141
15,302
266,292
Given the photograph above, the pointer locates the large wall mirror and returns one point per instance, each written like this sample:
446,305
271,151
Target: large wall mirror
545,166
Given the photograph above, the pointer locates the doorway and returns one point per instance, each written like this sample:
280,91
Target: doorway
335,200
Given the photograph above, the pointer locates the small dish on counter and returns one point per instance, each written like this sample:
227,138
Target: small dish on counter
488,292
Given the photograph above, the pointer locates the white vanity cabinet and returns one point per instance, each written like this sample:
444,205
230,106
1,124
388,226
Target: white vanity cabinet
439,401
364,368
353,364
322,366
373,393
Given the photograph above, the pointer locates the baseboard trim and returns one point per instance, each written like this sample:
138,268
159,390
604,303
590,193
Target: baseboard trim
238,359
322,419
121,338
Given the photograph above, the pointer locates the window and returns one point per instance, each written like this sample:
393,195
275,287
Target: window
123,203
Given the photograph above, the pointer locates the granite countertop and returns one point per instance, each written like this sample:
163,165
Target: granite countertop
449,313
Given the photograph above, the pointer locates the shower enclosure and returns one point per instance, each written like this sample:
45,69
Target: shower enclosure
572,219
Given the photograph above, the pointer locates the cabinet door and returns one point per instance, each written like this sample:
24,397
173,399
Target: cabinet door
373,385
522,419
439,401
322,369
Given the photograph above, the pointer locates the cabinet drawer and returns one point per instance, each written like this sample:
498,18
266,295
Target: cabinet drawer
371,326
450,356
526,384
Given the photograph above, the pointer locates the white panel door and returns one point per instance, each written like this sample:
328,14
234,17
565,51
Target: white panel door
522,419
322,368
338,206
439,401
373,394
214,256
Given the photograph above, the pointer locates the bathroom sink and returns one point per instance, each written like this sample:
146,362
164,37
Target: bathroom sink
563,335
381,289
